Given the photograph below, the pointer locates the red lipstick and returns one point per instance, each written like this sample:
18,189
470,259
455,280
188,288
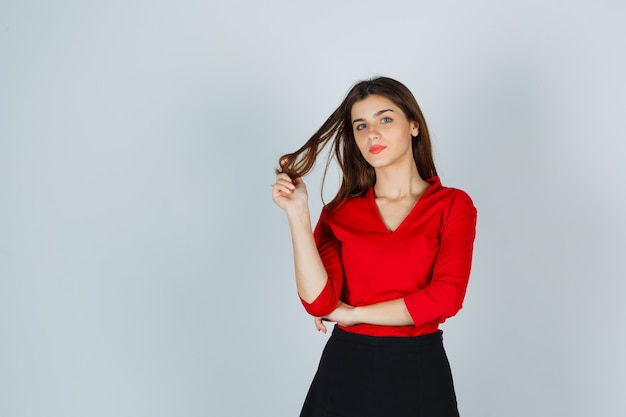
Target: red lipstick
377,149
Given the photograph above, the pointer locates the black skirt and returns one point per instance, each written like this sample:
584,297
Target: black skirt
373,376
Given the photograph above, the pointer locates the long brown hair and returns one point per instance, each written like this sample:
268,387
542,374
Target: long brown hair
357,175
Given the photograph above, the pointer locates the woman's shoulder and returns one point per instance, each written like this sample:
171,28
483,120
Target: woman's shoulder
452,196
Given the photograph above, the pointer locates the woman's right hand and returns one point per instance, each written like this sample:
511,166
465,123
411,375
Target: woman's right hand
290,195
319,324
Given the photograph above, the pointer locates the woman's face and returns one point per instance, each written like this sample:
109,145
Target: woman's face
382,132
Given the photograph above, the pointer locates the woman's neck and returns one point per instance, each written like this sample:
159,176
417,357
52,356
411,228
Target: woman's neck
399,182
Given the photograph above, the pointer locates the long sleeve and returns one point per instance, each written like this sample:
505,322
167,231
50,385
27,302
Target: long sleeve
329,249
443,296
425,262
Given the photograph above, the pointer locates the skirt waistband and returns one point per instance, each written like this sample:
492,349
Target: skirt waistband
387,341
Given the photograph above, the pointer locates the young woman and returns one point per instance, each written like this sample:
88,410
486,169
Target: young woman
388,261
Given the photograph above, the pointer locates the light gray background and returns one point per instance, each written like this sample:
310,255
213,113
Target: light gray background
144,270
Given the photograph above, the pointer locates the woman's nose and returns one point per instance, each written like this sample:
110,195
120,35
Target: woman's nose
373,134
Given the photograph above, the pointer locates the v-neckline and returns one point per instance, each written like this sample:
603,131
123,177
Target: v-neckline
381,221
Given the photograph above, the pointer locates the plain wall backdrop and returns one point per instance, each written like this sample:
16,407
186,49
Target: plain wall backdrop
144,270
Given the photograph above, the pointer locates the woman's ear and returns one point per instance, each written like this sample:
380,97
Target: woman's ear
415,128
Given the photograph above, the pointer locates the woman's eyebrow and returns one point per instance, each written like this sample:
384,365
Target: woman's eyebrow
378,113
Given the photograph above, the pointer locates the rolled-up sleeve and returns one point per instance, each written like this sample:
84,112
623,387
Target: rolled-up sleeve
443,296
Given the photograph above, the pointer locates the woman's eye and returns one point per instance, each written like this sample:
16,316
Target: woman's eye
360,126
385,120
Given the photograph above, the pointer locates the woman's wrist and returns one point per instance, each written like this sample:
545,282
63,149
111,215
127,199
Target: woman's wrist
299,215
356,315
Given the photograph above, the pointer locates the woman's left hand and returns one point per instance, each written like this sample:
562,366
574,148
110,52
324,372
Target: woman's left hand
343,314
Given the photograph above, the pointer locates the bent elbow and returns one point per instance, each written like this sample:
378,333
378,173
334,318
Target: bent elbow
451,311
317,308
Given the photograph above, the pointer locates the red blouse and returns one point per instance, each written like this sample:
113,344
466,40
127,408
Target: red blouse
426,260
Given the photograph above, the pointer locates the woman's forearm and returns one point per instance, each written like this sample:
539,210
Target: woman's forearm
387,313
311,276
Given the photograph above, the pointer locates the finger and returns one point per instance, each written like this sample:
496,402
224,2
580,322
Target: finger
319,325
317,321
280,187
285,182
283,176
281,190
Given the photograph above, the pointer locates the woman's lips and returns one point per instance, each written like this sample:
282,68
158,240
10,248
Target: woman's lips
377,149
